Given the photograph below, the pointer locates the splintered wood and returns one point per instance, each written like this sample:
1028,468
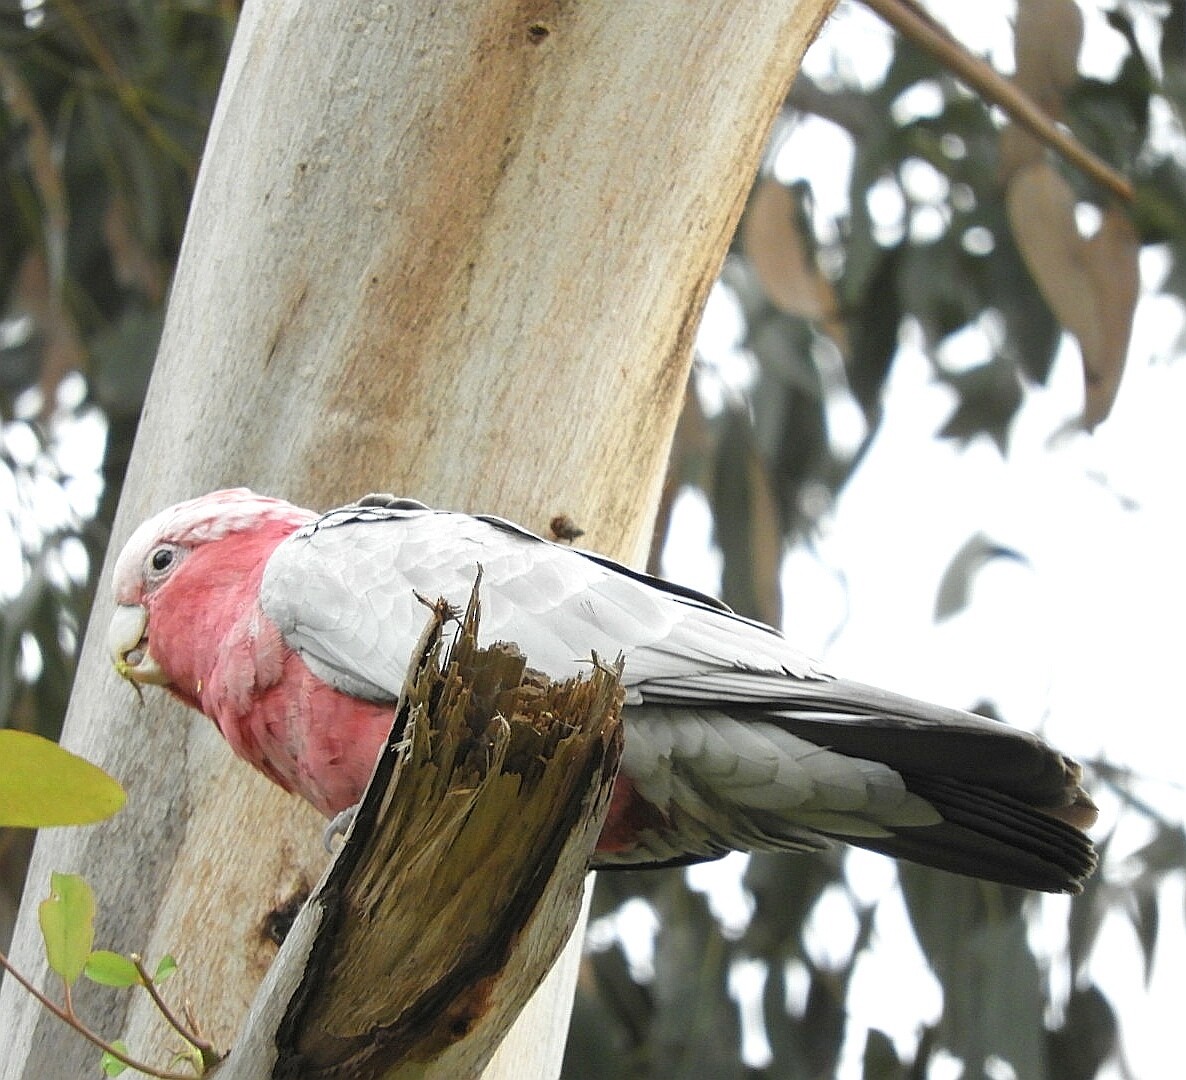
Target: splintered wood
462,877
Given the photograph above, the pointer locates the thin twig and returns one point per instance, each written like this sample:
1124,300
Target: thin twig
71,1020
914,23
189,1033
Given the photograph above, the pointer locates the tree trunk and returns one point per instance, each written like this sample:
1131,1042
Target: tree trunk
456,251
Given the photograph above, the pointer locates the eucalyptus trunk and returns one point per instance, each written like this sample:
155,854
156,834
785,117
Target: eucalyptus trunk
453,251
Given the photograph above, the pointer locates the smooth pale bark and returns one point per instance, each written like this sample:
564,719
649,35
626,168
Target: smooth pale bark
456,251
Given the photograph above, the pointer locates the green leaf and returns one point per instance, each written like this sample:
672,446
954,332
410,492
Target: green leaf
165,969
112,1066
43,784
67,920
111,969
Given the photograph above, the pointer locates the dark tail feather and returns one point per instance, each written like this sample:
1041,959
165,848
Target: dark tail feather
990,835
1012,807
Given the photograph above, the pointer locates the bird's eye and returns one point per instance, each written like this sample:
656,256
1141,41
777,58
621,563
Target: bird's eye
161,559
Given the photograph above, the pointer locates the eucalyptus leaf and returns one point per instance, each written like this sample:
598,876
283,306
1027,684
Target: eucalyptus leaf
111,969
166,968
67,920
43,784
110,1064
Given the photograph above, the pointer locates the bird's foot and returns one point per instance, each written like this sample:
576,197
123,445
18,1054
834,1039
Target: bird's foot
335,832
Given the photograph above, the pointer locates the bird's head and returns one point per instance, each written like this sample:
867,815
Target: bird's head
176,561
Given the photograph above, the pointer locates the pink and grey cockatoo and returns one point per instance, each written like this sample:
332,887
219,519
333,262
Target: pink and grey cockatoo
293,633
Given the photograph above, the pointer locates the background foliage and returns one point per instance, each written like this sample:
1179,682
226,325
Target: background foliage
103,112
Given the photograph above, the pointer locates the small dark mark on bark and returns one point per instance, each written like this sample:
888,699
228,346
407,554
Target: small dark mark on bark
278,921
564,528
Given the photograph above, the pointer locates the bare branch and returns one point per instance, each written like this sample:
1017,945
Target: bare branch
914,23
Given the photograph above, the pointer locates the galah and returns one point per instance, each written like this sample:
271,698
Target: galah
293,632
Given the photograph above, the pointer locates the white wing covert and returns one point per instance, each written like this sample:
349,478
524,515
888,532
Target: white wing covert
345,593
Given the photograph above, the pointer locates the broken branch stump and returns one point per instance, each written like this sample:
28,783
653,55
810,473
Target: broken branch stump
460,880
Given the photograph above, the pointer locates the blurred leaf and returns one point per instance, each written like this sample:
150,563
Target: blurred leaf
1032,333
1006,1001
1086,1039
881,1060
1113,117
1088,913
789,425
67,919
1146,921
696,1031
955,587
1173,36
944,910
630,1003
1112,256
1048,36
1041,207
807,1044
784,1032
121,360
782,345
1159,211
874,325
801,459
863,255
21,350
989,397
909,65
936,288
43,784
1164,854
974,938
822,1027
785,889
748,529
776,239
600,1046
111,969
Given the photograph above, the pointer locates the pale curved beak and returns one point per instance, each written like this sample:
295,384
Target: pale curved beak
127,643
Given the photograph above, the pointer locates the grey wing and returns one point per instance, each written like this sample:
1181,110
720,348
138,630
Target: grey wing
736,738
346,593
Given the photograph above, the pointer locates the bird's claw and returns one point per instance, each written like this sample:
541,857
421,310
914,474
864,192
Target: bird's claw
338,827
